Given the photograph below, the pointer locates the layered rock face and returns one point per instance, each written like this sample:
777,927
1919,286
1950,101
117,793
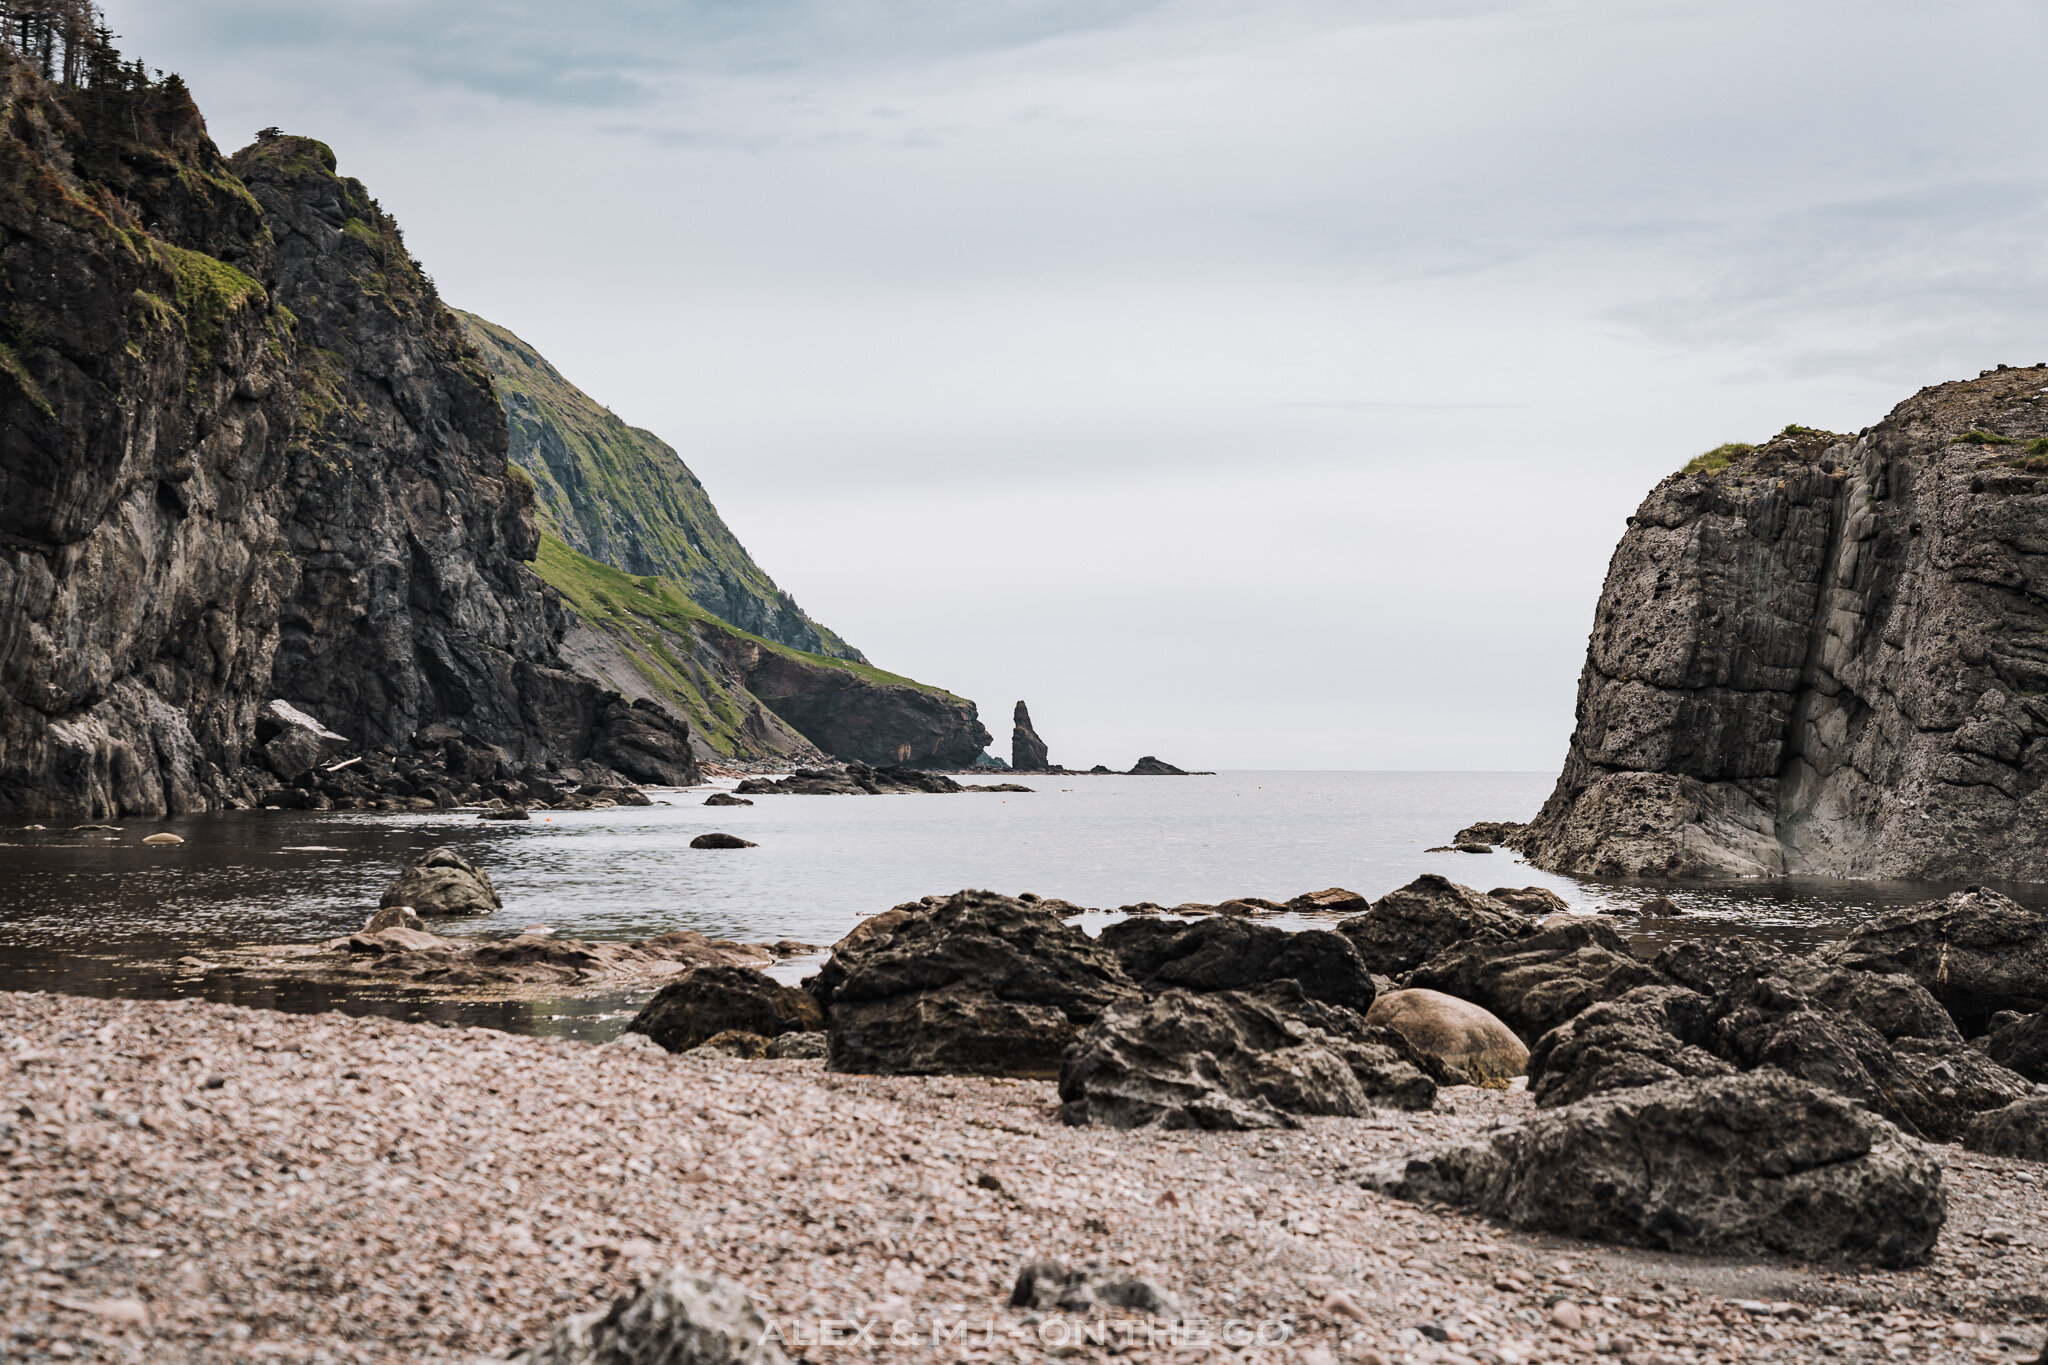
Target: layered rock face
245,454
1829,656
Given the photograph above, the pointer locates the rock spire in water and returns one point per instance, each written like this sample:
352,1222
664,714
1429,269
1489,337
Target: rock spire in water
1027,750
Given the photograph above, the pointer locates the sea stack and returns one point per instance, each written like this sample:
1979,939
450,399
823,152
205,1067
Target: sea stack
1027,750
1824,655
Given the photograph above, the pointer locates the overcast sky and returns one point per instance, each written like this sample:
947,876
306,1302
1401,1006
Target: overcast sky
1255,383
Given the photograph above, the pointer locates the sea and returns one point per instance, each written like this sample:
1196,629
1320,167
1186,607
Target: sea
94,910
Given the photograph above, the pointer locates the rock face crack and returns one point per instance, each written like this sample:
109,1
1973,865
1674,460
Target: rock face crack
1822,659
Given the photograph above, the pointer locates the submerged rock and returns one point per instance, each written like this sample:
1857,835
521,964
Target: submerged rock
1457,1033
855,779
726,799
394,917
708,1001
721,841
1734,1165
443,882
1530,900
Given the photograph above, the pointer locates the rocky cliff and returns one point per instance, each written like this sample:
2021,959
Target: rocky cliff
747,696
1827,654
246,453
622,496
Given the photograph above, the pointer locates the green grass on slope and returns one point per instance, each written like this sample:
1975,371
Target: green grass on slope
648,616
619,494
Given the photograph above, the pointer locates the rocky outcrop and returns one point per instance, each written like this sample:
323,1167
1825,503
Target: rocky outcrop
1228,954
1228,1060
246,456
713,1000
1534,984
980,984
1651,1035
1977,952
1407,927
1824,656
2020,1045
1733,1165
1027,751
443,882
1148,766
855,779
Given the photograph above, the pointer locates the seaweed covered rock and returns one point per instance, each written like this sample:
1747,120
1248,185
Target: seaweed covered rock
709,1001
1533,984
1740,1165
443,882
979,984
1407,927
1227,953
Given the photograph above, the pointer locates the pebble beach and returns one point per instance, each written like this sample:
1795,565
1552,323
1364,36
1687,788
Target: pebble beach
198,1182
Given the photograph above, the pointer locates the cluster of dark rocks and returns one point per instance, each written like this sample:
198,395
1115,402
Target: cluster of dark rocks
855,779
1714,1096
444,768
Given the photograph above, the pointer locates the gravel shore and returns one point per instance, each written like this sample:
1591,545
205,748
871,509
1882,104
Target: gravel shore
192,1181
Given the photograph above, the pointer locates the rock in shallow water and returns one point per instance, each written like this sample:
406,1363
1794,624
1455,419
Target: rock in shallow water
443,882
708,1001
721,841
1977,952
1734,1164
677,1319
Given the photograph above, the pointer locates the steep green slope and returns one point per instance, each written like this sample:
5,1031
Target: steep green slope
747,696
624,497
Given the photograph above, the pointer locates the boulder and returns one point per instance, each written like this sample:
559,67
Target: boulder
1222,1060
1534,984
2019,1130
1736,1165
726,799
1650,1035
1408,927
1028,753
1229,953
1977,952
443,882
1455,1032
394,917
293,743
735,1043
1505,833
979,984
1335,900
1530,900
1716,965
2021,1045
721,841
1661,907
1892,1003
1148,766
1472,848
806,1046
507,813
1049,1286
675,1319
707,1001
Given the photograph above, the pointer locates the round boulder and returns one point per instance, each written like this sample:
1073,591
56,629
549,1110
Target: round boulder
1456,1032
443,882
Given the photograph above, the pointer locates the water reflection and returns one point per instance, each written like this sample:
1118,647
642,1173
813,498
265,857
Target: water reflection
95,911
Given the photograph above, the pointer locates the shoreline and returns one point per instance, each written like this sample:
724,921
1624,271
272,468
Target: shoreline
255,1184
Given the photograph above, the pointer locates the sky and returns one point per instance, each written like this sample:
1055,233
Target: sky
1253,383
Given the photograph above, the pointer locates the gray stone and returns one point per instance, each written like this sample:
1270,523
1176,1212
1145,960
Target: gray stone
1977,952
2019,1130
393,917
1822,659
2021,1045
1534,984
1229,953
1731,1165
443,882
707,1001
1650,1035
807,1046
726,799
721,841
676,1319
1407,927
1050,1286
1028,753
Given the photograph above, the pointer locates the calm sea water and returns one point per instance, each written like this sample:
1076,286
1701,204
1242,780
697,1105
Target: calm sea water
97,911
